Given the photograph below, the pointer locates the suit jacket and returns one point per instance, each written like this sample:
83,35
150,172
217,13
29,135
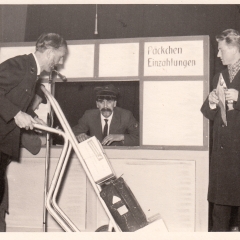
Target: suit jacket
18,78
122,122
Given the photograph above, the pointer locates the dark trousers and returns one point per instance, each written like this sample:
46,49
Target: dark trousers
221,216
4,162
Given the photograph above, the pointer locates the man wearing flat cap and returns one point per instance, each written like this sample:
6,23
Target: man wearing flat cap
110,124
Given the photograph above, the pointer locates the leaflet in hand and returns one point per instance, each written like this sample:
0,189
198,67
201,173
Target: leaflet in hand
221,88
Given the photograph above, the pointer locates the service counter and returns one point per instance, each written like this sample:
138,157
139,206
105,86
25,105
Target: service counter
172,183
169,86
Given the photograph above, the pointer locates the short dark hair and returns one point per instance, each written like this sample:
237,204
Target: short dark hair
50,40
231,37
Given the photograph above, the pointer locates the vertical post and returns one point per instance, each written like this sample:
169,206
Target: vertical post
47,157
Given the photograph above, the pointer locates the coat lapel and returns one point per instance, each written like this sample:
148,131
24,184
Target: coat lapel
225,75
235,81
32,66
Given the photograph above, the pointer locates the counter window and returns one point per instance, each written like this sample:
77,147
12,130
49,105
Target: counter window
76,97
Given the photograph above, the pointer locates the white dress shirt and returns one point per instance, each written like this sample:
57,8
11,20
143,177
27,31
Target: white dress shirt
103,122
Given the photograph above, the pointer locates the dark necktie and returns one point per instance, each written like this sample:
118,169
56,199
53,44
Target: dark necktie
105,129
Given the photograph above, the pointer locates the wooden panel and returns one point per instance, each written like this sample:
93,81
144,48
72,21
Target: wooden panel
26,195
9,52
172,183
176,120
163,186
79,62
160,186
119,59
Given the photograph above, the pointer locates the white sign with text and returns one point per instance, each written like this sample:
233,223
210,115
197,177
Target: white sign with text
173,58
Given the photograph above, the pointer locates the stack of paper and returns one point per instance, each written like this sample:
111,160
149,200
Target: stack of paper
96,159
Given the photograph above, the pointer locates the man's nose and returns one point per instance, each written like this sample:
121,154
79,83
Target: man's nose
105,103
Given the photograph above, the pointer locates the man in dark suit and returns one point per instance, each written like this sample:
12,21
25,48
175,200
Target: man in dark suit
18,78
110,124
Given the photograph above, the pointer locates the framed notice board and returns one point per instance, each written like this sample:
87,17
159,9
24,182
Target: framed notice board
174,82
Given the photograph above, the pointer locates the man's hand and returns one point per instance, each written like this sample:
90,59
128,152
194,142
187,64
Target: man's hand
41,122
213,98
24,120
231,95
82,137
112,138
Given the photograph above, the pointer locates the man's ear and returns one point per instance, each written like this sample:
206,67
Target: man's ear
48,52
97,104
115,103
235,50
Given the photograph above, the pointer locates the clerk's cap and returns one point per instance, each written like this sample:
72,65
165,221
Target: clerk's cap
106,92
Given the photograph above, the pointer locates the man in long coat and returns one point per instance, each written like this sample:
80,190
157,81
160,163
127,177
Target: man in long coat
224,178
